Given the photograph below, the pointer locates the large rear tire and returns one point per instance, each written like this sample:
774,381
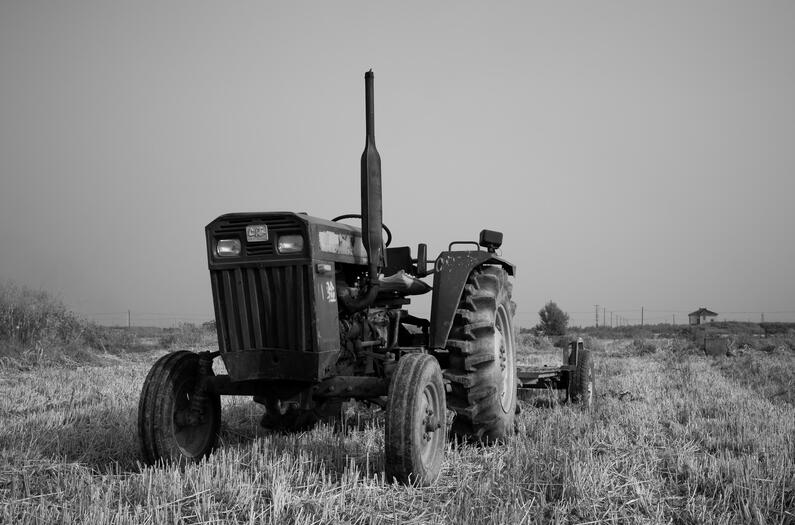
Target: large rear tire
416,421
482,365
167,427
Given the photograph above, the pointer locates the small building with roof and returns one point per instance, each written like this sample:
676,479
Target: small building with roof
700,316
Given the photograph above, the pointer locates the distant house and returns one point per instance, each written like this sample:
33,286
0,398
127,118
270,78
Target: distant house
700,315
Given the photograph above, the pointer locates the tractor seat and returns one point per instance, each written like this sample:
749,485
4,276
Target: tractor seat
401,284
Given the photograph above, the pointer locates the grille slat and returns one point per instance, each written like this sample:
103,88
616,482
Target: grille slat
300,305
265,248
242,308
220,314
278,290
289,277
267,310
254,297
229,304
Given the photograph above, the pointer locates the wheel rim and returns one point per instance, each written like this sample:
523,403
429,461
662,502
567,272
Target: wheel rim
431,411
505,356
192,439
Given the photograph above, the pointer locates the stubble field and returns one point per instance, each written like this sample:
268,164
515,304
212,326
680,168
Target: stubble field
676,437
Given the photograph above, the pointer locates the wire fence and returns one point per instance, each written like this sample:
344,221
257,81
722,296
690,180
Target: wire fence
135,318
524,319
637,316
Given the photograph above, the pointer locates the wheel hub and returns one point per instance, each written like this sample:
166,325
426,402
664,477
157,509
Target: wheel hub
503,349
430,423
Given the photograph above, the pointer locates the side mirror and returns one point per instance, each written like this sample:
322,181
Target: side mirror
490,240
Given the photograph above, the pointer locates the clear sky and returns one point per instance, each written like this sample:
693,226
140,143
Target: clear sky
633,153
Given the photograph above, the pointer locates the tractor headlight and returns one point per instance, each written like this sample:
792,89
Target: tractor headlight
290,244
227,247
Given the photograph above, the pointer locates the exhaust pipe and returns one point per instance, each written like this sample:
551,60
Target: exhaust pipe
371,189
371,204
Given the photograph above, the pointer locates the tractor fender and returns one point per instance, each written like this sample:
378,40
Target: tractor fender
450,275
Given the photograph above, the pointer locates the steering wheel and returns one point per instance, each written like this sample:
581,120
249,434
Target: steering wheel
358,216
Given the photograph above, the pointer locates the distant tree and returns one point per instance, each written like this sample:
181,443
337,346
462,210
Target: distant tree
553,320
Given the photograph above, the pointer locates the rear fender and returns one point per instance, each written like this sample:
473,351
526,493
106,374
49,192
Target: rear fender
451,272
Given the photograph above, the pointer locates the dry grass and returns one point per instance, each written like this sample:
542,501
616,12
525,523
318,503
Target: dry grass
675,438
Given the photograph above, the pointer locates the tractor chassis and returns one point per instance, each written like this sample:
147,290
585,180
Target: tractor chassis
359,387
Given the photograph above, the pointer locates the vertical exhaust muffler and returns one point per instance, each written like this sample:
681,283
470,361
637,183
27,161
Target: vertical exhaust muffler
372,215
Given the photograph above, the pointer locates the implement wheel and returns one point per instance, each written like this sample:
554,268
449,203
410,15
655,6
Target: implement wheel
167,426
581,383
416,421
482,370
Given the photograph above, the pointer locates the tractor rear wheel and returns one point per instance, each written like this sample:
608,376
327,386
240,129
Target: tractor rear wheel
482,365
416,421
167,426
581,383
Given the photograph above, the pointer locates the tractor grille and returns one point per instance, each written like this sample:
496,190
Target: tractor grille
263,307
236,227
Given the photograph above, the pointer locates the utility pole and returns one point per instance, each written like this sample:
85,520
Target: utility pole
604,320
641,317
673,319
129,320
596,310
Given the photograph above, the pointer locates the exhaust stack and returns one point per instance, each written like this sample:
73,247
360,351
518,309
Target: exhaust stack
371,189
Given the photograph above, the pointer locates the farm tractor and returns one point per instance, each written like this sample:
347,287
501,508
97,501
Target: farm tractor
310,313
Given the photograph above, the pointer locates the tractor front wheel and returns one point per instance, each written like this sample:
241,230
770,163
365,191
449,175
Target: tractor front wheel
172,424
416,421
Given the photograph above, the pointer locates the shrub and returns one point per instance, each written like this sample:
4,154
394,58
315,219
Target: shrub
185,335
36,319
38,329
642,347
112,339
553,320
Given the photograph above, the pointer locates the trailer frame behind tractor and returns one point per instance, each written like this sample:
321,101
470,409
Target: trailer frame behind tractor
573,381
